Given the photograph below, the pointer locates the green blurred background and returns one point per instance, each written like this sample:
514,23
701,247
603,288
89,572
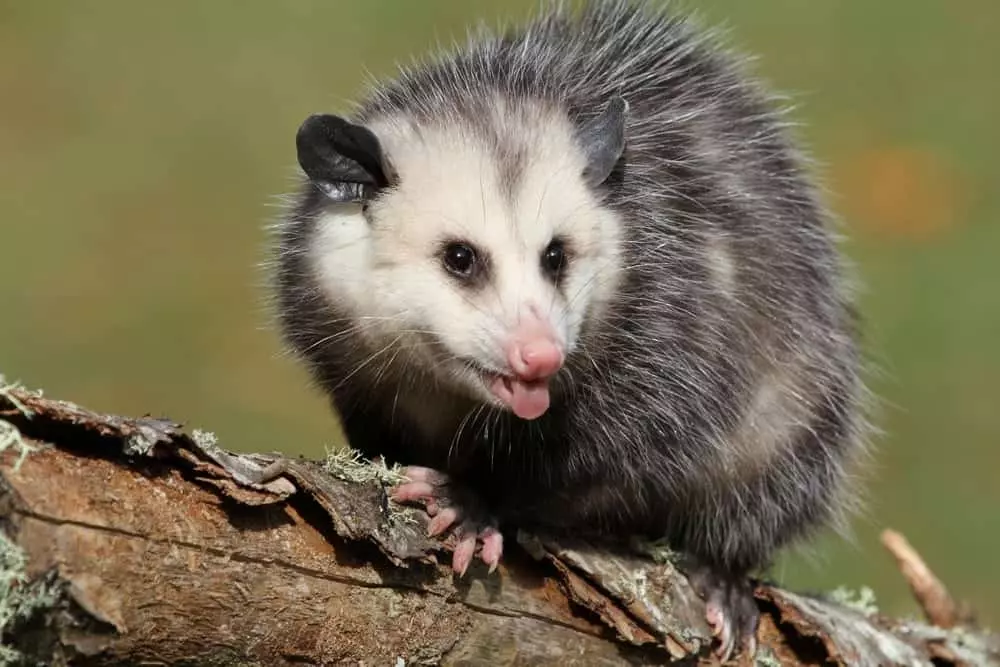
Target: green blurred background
143,144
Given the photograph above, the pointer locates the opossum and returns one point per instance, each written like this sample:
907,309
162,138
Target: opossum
578,277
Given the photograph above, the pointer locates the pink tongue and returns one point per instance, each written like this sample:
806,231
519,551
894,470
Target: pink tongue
528,400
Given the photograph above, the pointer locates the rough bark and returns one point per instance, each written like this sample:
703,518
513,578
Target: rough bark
130,541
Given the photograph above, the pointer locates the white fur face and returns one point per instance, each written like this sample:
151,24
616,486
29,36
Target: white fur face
384,266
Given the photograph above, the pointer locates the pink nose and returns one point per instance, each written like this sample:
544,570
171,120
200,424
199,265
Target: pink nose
535,358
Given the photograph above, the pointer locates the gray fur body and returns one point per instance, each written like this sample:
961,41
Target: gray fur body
716,400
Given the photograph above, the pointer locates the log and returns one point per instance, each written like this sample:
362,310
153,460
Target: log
132,541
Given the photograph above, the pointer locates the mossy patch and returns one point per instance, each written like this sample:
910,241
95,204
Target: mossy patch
20,598
862,600
659,551
349,465
10,436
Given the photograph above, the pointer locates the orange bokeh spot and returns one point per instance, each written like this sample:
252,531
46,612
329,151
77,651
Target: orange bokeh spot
897,191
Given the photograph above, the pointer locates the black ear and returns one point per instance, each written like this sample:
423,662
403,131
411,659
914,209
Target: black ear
342,159
603,140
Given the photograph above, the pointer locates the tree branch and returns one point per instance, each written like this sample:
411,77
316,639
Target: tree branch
131,541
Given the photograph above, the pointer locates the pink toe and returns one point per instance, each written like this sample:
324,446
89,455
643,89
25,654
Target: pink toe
492,547
722,631
421,474
463,554
442,521
412,491
714,617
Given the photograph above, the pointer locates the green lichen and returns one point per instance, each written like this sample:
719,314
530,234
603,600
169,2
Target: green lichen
10,436
862,600
138,445
7,391
658,550
349,465
207,440
402,517
19,597
765,658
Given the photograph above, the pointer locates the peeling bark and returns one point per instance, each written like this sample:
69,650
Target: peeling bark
129,541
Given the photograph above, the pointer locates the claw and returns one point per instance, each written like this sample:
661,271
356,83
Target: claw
464,552
492,547
726,643
432,489
730,610
721,630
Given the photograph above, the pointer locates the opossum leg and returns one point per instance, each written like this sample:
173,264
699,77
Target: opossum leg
730,609
453,509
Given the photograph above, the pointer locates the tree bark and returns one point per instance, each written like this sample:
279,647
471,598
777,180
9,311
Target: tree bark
131,541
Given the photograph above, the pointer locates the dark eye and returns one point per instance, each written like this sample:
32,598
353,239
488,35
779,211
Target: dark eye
459,259
554,259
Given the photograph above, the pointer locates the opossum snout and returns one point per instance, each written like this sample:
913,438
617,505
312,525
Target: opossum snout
534,351
535,358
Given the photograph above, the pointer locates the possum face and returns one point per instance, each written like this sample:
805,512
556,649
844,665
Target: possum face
477,252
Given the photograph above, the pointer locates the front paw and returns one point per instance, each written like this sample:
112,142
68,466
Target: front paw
730,609
453,509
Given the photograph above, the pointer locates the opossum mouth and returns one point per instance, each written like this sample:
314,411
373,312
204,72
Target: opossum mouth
528,399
